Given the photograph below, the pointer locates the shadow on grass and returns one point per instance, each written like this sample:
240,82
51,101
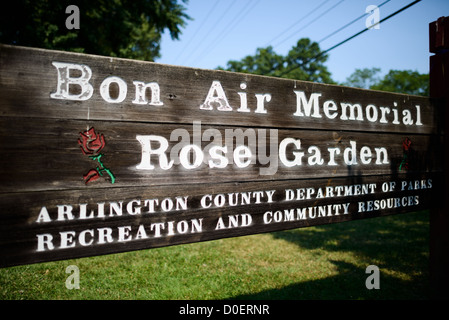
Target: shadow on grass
397,243
349,284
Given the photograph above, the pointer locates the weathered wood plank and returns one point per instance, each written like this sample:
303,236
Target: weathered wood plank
52,225
93,162
43,154
29,79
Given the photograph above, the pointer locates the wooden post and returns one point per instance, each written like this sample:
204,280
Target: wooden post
439,217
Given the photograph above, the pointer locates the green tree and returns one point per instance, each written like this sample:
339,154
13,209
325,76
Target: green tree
305,61
363,78
400,81
264,62
118,28
404,81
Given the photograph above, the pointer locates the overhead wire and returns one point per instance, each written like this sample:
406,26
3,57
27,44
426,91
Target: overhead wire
298,21
227,30
209,13
234,23
350,23
314,20
348,39
217,23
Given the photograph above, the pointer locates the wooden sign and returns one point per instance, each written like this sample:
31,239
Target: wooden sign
102,155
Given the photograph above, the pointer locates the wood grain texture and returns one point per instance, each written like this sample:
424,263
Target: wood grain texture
28,78
320,201
42,154
49,211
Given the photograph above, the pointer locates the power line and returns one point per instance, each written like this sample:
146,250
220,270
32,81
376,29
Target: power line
298,21
222,15
348,24
234,22
350,38
197,30
320,16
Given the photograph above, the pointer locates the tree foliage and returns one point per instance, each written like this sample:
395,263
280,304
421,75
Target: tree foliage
305,61
117,28
363,78
404,81
400,81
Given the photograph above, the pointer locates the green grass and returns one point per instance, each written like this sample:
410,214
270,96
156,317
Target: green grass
323,262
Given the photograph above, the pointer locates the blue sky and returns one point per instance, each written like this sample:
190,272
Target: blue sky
223,30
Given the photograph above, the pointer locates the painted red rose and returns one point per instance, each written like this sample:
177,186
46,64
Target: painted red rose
92,175
406,144
91,142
